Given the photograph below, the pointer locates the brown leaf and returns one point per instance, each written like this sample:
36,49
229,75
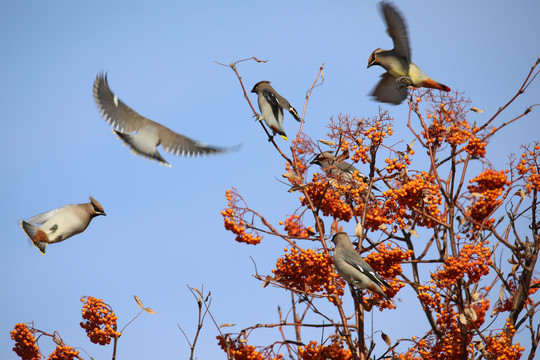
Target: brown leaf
463,319
410,146
475,296
501,294
297,187
149,310
328,142
139,302
477,194
291,175
226,325
521,193
386,339
477,110
266,281
359,230
413,233
383,227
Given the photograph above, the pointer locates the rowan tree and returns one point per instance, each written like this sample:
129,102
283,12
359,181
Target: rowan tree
463,235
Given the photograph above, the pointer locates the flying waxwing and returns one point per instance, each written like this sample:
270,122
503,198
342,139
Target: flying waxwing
60,224
401,71
351,267
271,105
149,134
338,170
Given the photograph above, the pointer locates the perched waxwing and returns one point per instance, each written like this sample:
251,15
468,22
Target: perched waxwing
338,170
401,71
271,105
61,224
351,267
149,134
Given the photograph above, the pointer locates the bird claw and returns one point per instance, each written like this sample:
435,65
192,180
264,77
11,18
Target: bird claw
258,117
404,81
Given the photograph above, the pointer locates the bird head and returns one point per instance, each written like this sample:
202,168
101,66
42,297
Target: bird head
254,90
98,209
373,59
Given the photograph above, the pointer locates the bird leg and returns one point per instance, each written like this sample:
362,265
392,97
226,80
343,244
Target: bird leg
403,81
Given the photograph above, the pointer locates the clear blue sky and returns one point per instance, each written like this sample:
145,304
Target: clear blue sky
163,228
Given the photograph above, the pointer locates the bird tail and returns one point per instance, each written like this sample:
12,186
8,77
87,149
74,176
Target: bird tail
35,235
294,113
430,83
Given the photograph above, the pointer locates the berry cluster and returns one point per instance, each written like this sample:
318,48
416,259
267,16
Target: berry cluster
415,199
327,199
100,321
500,346
233,218
25,343
314,351
63,352
529,167
243,351
349,133
310,271
489,187
303,147
295,228
472,262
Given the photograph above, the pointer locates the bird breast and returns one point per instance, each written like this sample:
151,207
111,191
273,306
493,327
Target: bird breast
64,225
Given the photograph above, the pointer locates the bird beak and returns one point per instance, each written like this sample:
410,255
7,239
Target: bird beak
369,65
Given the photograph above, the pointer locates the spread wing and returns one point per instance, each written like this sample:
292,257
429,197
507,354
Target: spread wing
117,114
179,144
397,30
388,90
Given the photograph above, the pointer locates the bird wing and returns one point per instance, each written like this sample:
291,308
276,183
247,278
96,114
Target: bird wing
42,218
178,144
388,90
359,264
274,102
117,114
397,30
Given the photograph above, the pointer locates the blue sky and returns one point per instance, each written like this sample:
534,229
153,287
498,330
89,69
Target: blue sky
163,228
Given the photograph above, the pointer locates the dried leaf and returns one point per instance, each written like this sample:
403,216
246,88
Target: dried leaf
383,227
463,319
475,296
479,345
297,187
477,110
477,194
149,310
328,142
197,291
521,193
409,146
359,230
501,294
242,341
413,233
291,175
514,268
512,261
226,325
386,339
266,281
139,302
470,313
